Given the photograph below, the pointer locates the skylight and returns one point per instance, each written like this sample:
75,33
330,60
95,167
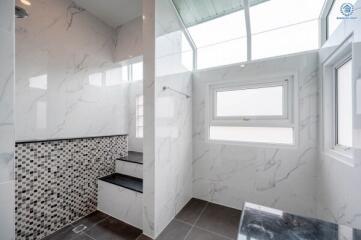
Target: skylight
226,32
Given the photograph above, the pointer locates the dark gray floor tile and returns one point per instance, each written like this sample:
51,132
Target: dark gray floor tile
199,234
64,233
220,219
143,237
90,220
191,211
113,229
175,231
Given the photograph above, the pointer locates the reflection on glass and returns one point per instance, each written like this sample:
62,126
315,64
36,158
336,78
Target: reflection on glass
39,82
96,79
41,115
113,77
139,114
137,71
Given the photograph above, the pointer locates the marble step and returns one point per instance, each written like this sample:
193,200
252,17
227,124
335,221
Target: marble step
133,157
121,197
125,181
131,165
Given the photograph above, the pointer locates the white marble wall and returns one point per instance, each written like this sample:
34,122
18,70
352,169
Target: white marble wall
129,40
339,195
63,89
121,203
173,147
283,178
7,135
149,118
168,124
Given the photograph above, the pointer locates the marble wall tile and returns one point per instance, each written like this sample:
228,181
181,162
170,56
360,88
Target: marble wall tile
168,125
120,203
338,195
129,42
279,177
66,83
149,118
173,117
129,168
173,147
7,133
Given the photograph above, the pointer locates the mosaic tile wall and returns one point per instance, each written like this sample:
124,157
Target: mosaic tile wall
56,181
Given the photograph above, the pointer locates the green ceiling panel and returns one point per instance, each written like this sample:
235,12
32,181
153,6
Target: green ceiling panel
194,12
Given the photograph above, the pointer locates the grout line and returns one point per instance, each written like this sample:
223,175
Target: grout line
215,233
88,235
197,219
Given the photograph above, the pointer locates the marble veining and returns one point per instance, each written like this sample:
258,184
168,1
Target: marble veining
280,177
7,130
264,223
67,83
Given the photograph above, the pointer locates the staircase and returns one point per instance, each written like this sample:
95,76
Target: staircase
120,194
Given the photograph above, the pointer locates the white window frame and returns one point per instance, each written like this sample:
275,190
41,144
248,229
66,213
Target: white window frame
289,119
329,115
338,147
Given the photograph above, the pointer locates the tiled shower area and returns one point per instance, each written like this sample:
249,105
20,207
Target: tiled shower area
56,181
180,119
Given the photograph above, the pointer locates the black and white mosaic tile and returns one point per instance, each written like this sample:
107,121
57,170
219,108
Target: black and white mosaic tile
56,181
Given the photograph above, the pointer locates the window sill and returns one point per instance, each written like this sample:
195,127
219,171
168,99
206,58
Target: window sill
346,159
252,144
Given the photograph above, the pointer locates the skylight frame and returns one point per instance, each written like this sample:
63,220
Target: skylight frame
322,34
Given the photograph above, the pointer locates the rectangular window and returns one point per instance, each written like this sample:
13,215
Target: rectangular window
344,105
139,114
255,113
252,134
261,102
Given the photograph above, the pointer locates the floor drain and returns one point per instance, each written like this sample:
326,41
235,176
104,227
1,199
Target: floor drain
79,228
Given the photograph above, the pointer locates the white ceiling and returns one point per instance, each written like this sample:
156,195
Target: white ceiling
113,12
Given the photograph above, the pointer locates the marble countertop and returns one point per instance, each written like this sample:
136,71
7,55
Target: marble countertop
264,223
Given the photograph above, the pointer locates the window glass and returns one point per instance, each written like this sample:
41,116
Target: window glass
344,104
287,40
220,41
266,101
288,25
273,135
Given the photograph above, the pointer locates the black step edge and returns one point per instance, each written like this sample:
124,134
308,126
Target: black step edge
125,181
130,159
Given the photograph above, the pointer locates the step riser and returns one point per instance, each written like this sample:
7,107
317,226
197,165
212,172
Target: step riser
130,169
120,203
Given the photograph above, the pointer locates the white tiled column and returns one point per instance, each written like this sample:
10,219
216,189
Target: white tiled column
7,142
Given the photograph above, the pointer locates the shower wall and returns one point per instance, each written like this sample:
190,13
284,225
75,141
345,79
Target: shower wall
338,190
7,135
168,119
231,174
66,82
